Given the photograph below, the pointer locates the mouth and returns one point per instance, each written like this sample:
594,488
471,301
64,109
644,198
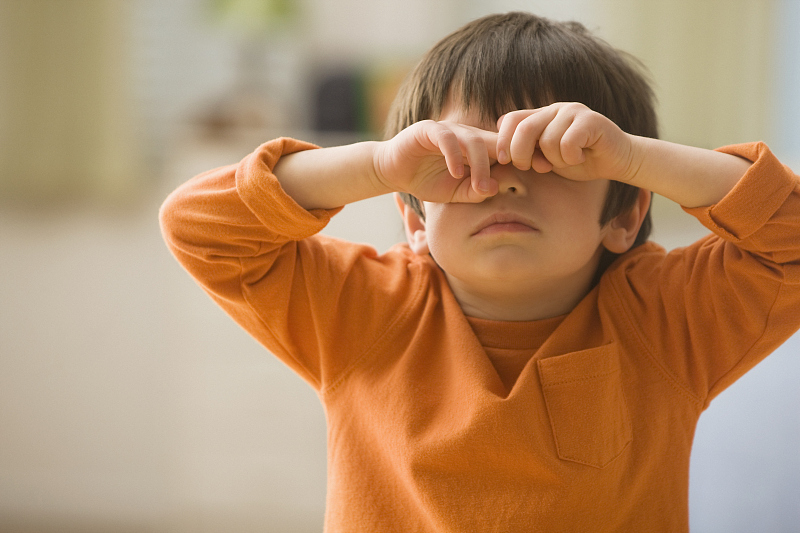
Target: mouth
505,223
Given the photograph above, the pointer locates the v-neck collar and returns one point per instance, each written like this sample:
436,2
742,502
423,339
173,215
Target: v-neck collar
527,335
510,346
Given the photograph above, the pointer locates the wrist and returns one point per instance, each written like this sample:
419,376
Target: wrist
376,172
687,175
330,177
637,154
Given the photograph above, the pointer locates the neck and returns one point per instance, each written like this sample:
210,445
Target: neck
530,300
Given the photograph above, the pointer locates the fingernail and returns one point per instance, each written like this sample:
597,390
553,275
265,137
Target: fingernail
501,156
483,185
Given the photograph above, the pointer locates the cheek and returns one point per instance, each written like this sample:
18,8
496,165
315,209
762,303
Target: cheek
574,215
577,204
436,229
442,231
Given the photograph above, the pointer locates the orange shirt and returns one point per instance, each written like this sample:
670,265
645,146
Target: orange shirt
441,422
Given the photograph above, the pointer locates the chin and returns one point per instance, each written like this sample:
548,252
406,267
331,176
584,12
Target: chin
508,269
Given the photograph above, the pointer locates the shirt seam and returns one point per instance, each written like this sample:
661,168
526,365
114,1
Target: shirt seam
316,379
747,352
329,390
665,373
590,377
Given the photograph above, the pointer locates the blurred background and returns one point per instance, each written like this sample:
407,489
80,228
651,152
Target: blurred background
128,400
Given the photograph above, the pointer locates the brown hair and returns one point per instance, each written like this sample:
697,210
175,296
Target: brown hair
500,63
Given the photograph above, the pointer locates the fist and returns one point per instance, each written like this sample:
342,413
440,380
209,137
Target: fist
439,162
568,139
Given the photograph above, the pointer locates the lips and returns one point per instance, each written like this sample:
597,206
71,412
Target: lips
504,223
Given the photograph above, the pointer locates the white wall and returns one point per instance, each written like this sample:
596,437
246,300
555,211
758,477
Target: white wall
746,462
786,113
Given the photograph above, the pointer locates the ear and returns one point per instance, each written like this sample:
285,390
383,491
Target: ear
414,226
622,230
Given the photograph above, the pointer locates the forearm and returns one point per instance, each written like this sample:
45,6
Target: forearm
330,177
690,176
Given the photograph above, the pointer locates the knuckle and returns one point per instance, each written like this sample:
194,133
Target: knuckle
474,141
569,152
549,143
527,127
513,118
446,134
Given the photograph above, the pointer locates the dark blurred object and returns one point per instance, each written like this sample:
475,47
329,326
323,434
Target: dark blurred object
356,99
340,103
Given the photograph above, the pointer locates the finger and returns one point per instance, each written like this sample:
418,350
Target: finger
477,154
539,162
446,141
552,135
489,139
479,148
506,126
577,137
466,193
526,137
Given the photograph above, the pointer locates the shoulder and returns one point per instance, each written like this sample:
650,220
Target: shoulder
637,264
382,283
398,260
649,283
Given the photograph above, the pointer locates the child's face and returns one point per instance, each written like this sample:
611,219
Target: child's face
548,248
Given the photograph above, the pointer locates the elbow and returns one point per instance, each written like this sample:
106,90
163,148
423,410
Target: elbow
177,221
169,219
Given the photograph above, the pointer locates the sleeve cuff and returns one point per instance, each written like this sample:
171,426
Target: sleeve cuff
753,200
262,193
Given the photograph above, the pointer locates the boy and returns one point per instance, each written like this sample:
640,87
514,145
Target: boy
527,362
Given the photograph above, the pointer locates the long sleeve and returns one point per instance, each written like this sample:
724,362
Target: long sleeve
710,312
258,255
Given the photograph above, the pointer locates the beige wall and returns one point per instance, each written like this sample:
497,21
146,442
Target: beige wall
66,127
711,62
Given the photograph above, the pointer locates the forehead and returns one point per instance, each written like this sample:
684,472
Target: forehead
454,111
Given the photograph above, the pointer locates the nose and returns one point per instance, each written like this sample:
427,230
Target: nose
509,179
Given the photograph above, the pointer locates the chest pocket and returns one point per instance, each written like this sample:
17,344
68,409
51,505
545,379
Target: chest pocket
586,405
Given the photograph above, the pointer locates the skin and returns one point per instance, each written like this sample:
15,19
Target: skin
547,169
539,267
